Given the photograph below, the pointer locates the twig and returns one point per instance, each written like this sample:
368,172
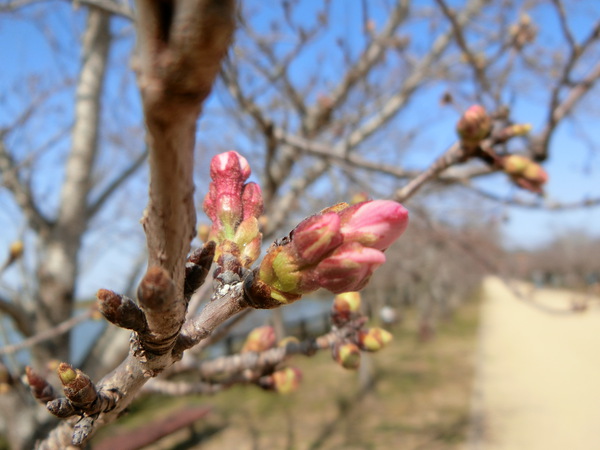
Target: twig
49,334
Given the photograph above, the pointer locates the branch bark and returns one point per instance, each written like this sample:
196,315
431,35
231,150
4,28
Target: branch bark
180,45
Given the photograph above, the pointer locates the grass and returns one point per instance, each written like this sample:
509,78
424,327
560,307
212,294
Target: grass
411,395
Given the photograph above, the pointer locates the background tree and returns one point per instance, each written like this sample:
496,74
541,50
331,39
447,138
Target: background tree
322,99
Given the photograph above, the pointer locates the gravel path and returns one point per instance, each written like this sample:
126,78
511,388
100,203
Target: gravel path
538,381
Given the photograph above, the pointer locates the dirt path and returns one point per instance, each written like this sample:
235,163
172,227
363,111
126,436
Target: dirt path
538,383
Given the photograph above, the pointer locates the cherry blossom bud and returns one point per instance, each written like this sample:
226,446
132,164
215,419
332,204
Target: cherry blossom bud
40,388
337,249
346,354
287,380
349,268
373,339
252,202
474,126
260,339
345,305
374,224
248,239
524,172
347,301
78,387
223,203
316,236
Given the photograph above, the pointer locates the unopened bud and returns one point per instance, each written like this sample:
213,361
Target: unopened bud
287,380
374,224
316,236
66,373
373,339
260,339
474,126
345,305
346,355
349,268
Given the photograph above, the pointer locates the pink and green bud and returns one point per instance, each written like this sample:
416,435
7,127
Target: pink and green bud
234,208
337,249
349,268
252,202
345,305
315,237
248,239
287,380
373,339
66,373
474,126
223,203
524,172
347,355
375,224
260,339
347,301
77,386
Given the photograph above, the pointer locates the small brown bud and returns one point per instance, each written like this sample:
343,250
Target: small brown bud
156,290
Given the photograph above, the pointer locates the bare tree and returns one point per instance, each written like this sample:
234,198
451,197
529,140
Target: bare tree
317,103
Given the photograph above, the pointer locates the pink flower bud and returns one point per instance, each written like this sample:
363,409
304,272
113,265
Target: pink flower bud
376,224
346,355
287,380
474,126
373,339
230,165
223,203
349,268
252,202
316,236
260,339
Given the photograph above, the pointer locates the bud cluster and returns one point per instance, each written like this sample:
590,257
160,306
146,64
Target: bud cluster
234,207
337,249
345,310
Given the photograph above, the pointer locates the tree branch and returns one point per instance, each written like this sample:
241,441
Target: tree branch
19,316
116,183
